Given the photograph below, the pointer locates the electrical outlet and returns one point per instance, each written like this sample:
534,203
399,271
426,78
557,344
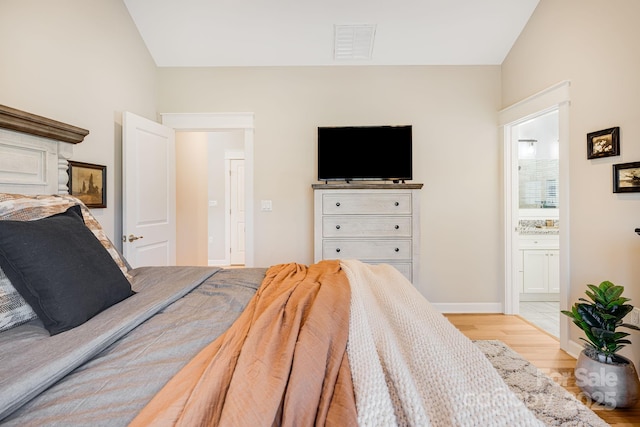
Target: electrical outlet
634,317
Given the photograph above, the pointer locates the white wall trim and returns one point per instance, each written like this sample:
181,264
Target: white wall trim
234,155
521,110
217,263
211,122
196,122
574,348
468,307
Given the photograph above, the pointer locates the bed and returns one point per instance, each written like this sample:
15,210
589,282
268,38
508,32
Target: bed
86,340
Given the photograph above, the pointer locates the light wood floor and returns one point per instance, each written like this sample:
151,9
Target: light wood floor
541,349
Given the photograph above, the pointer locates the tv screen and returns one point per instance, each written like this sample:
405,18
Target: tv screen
364,153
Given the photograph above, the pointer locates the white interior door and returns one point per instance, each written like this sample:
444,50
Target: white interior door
149,192
237,211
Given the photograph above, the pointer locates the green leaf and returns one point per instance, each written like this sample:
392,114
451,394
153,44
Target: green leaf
593,295
617,303
590,315
604,286
630,326
613,293
618,335
620,311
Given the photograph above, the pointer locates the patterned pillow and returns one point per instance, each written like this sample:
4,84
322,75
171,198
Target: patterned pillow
14,310
19,207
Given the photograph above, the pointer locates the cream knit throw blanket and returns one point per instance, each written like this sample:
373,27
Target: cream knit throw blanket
411,367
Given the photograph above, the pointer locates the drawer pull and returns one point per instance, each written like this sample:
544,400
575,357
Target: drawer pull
397,249
338,204
338,227
397,203
397,227
337,249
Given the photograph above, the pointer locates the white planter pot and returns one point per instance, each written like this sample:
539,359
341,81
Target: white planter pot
614,385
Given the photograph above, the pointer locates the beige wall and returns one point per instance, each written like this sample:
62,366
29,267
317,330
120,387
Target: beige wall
191,198
453,111
82,63
594,44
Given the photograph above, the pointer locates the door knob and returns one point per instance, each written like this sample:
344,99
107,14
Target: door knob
132,237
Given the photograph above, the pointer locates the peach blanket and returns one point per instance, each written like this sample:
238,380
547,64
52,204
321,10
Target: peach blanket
283,362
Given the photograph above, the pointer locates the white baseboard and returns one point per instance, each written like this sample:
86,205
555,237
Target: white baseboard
218,263
574,348
539,297
469,307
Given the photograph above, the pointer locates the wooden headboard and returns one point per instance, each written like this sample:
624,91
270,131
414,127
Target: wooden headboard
34,152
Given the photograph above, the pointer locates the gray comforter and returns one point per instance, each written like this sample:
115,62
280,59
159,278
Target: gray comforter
104,371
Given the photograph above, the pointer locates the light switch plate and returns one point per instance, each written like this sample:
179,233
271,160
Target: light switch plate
266,205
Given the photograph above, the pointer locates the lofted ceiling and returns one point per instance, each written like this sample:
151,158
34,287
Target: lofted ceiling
210,33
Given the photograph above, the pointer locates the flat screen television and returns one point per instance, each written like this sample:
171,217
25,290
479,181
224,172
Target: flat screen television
365,153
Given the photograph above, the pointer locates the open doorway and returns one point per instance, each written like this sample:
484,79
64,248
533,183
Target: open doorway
225,228
205,125
210,208
536,141
555,98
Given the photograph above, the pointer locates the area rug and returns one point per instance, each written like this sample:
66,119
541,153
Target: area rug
550,402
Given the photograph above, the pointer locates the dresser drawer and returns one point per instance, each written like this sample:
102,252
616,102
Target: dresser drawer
539,242
403,267
366,249
354,203
366,226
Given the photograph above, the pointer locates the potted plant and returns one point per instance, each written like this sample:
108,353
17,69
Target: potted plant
602,374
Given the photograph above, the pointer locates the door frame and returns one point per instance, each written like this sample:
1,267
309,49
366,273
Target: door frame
215,122
556,97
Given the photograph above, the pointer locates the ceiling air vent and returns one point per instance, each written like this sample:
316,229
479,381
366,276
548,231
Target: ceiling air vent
353,41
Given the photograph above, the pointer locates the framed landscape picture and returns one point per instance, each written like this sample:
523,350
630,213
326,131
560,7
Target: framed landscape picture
626,178
603,143
88,182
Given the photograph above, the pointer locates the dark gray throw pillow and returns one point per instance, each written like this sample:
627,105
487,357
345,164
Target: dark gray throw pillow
61,269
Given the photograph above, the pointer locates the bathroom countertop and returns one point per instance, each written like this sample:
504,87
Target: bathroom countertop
538,230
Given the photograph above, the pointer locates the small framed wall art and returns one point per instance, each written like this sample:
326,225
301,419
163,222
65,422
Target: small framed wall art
603,143
88,182
626,178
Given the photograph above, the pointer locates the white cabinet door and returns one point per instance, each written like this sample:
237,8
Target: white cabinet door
535,271
541,271
554,271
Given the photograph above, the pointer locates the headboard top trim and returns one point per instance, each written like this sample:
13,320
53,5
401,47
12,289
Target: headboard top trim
21,121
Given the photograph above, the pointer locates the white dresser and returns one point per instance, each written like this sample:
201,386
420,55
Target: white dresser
375,223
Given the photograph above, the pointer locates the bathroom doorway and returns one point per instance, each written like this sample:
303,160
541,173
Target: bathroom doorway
556,97
536,141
